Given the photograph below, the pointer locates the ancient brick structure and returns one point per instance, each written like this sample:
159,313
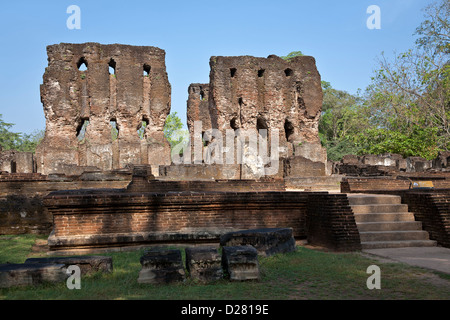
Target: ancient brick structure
433,209
124,89
104,135
17,162
259,93
93,218
21,194
253,94
390,164
384,184
198,107
331,223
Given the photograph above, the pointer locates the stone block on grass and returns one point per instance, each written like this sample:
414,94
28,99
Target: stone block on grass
87,264
267,241
240,263
161,266
204,263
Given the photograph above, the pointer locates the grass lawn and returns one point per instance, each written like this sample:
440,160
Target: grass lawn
304,274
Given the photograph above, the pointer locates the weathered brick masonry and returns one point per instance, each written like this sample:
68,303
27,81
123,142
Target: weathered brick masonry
331,223
135,91
433,209
111,217
160,186
23,215
21,195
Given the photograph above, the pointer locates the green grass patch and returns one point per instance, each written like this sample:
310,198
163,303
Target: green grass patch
304,274
15,248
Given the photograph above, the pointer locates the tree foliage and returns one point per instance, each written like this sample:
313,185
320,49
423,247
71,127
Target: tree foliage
29,142
434,30
419,142
406,108
173,130
341,118
18,141
8,140
409,97
292,55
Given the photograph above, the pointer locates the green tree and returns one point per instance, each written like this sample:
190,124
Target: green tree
8,140
29,142
434,30
18,141
173,130
419,142
408,101
341,120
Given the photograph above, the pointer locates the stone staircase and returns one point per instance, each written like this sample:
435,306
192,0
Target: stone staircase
384,222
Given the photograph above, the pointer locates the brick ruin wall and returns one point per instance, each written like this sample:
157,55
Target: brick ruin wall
267,93
123,87
83,219
433,209
21,195
330,222
244,93
248,94
143,213
390,164
17,162
365,185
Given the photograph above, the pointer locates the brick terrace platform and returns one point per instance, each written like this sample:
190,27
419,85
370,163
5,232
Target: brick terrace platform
112,217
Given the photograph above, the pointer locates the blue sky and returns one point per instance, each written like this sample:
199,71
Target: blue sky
190,32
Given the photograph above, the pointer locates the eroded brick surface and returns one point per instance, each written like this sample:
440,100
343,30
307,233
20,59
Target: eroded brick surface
114,91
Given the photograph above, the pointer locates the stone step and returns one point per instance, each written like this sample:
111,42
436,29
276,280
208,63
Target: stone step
389,226
383,222
397,244
379,208
384,217
370,236
367,199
